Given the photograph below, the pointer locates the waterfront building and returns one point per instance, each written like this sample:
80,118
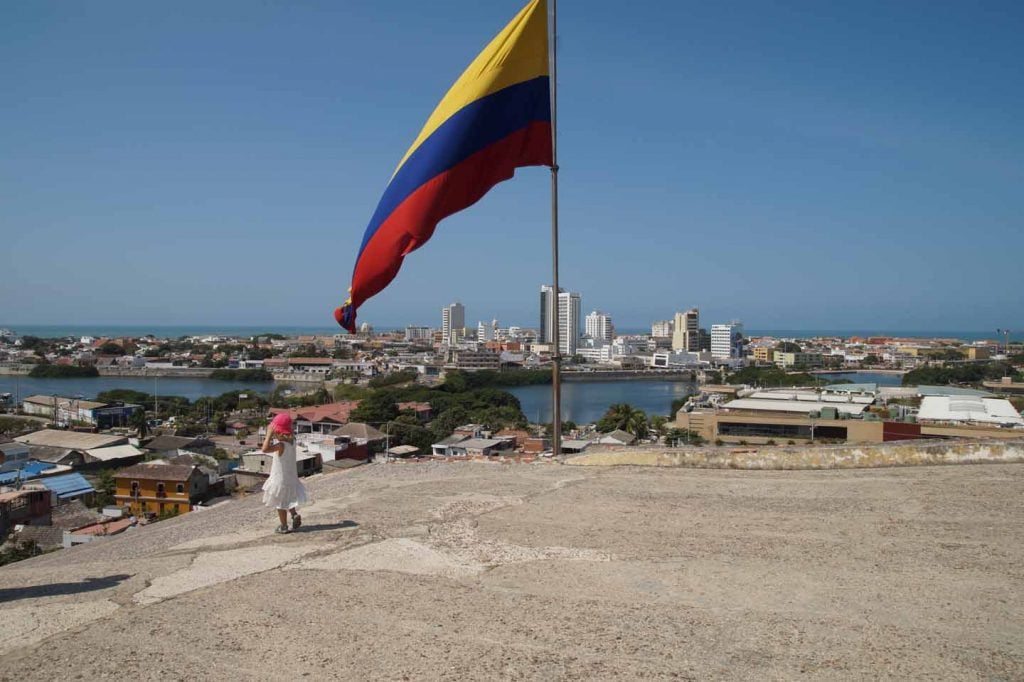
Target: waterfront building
727,340
784,360
662,329
599,326
453,323
686,331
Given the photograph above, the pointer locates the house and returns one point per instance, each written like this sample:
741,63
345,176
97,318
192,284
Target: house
73,515
115,455
67,487
447,446
306,463
517,436
421,410
359,433
403,451
71,440
574,447
31,507
160,488
13,455
320,419
170,446
617,437
30,470
480,446
69,457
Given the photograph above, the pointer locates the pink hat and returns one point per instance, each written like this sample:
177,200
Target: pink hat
282,423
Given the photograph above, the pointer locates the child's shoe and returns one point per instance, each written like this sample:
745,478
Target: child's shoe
296,522
281,530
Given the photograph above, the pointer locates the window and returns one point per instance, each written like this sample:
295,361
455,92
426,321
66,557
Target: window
135,488
181,487
161,490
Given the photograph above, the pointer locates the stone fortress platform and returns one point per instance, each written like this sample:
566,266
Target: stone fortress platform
489,571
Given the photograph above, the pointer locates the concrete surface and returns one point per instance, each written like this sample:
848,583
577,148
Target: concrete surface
485,571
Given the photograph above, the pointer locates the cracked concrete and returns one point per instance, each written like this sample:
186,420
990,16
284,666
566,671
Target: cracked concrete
478,571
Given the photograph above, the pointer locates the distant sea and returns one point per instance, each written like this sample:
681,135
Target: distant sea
244,331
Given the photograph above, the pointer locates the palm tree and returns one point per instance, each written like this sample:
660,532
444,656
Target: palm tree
624,417
139,423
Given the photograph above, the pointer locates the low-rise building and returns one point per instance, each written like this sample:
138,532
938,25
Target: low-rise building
160,488
787,359
23,507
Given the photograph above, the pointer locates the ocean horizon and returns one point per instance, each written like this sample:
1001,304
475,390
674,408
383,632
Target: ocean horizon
178,331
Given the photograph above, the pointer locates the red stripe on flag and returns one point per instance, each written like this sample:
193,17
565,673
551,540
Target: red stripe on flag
413,222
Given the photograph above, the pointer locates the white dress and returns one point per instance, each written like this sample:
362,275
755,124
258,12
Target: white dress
283,489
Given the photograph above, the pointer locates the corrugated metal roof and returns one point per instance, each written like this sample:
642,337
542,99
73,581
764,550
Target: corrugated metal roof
73,440
114,452
969,409
31,469
67,485
801,406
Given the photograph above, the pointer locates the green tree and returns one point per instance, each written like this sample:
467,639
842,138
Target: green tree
106,486
624,417
788,347
111,349
138,422
376,408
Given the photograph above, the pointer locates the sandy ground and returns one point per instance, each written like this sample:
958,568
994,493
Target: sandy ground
483,571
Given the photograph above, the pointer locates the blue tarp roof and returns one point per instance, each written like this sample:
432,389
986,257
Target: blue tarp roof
67,485
30,469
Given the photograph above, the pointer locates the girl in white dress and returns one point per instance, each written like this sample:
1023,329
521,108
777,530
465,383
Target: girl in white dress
283,490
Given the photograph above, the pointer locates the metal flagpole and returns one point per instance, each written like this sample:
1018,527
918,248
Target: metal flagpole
556,375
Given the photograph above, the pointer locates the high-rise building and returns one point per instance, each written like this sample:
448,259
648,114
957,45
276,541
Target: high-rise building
487,331
599,326
568,310
686,331
727,340
662,329
453,323
547,314
568,322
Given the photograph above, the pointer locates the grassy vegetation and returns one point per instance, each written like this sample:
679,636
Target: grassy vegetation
966,373
62,372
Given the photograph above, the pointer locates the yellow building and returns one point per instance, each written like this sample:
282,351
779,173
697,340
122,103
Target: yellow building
160,488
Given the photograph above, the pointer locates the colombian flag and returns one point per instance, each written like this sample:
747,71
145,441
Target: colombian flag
496,118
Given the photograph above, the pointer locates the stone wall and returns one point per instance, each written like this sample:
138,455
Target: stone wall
903,453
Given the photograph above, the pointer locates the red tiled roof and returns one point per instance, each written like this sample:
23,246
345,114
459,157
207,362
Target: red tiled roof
337,412
414,406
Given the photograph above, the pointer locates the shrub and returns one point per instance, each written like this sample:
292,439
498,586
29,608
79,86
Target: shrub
719,442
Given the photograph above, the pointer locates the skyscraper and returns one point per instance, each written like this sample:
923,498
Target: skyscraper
547,314
686,331
727,340
599,326
568,308
453,323
568,322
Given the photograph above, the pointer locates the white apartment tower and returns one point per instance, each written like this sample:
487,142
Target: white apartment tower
568,322
662,329
727,340
686,331
568,308
453,323
599,326
487,331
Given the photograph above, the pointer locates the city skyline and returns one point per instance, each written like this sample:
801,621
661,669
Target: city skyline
860,189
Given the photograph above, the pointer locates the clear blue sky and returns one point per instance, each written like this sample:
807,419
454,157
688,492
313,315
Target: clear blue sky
792,164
